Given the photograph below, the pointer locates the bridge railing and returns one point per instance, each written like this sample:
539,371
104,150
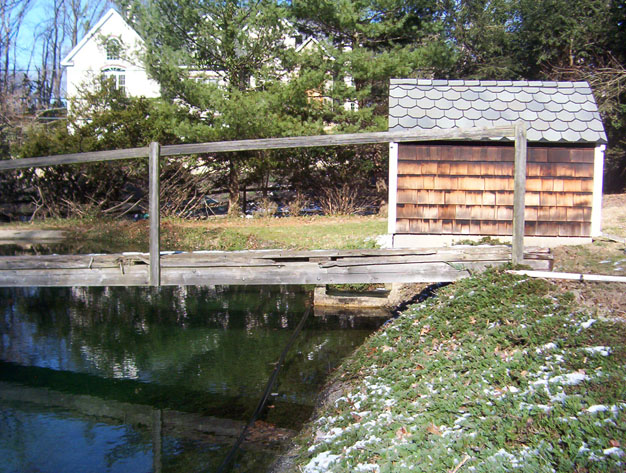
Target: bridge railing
155,151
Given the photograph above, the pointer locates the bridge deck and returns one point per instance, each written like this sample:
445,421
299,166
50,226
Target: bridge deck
263,267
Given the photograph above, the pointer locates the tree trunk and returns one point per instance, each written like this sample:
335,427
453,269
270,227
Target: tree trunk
233,188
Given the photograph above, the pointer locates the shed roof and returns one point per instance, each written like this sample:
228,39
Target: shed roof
554,111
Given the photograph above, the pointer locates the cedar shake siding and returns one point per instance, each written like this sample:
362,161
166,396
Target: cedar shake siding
457,188
467,189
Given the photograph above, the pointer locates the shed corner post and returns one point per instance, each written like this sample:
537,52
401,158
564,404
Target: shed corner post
598,178
519,193
393,188
155,213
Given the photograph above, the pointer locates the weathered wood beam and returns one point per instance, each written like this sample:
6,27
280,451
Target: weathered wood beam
338,140
261,267
519,194
263,144
155,214
75,158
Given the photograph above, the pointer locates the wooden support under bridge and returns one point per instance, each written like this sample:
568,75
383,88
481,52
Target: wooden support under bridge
154,270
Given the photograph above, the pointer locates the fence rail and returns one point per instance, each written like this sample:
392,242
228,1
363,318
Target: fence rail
154,152
263,144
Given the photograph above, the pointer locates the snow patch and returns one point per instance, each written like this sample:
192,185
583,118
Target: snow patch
588,323
320,463
599,350
367,467
570,379
597,408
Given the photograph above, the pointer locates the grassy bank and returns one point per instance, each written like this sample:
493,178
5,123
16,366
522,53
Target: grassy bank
113,236
497,373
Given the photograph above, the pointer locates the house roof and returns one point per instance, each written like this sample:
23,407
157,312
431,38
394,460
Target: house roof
67,60
553,111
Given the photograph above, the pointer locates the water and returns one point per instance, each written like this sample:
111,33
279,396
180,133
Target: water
140,379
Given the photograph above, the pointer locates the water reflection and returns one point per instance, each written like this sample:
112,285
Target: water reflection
187,353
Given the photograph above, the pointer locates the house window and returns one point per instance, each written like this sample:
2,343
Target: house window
315,97
113,47
117,75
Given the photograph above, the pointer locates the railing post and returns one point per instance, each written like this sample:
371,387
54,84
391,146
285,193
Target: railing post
154,211
519,194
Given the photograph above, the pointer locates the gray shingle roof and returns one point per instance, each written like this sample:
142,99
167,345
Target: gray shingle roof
553,111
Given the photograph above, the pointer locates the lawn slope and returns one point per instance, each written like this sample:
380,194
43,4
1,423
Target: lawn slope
497,373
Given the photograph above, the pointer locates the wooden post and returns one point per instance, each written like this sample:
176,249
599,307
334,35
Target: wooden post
154,211
519,193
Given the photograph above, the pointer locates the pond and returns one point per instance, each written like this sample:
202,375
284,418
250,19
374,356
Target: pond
144,379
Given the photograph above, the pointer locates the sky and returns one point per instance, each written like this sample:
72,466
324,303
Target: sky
29,46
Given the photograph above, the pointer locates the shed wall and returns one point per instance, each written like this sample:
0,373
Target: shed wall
467,189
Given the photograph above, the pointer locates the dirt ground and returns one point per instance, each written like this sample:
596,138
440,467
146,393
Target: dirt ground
603,256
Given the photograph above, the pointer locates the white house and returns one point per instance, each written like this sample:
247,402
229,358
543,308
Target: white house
111,48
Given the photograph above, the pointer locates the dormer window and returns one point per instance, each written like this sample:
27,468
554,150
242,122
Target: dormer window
113,48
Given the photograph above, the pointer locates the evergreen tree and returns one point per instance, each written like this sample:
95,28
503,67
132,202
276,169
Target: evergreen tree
227,63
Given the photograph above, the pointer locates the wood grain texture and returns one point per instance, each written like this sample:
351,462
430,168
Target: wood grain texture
471,183
477,133
262,267
154,171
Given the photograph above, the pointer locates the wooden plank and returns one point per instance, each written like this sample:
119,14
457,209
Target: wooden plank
264,144
70,262
306,273
259,267
452,254
132,276
519,194
155,214
336,140
74,158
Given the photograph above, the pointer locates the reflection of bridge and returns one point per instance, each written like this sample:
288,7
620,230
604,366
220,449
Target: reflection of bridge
159,419
164,421
262,267
262,437
180,402
273,267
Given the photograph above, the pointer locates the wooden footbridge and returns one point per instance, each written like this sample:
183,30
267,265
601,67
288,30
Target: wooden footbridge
272,266
263,267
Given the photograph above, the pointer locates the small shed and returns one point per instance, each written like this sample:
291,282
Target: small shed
445,191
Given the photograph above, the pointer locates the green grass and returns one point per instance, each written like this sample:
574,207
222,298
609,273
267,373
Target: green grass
479,375
114,236
599,257
318,232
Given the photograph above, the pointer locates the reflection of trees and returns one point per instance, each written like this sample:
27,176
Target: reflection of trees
217,339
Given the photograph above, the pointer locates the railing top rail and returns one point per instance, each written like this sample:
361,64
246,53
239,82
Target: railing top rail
337,140
74,158
266,144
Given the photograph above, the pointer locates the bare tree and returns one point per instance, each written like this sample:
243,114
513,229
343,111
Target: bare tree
80,15
12,13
